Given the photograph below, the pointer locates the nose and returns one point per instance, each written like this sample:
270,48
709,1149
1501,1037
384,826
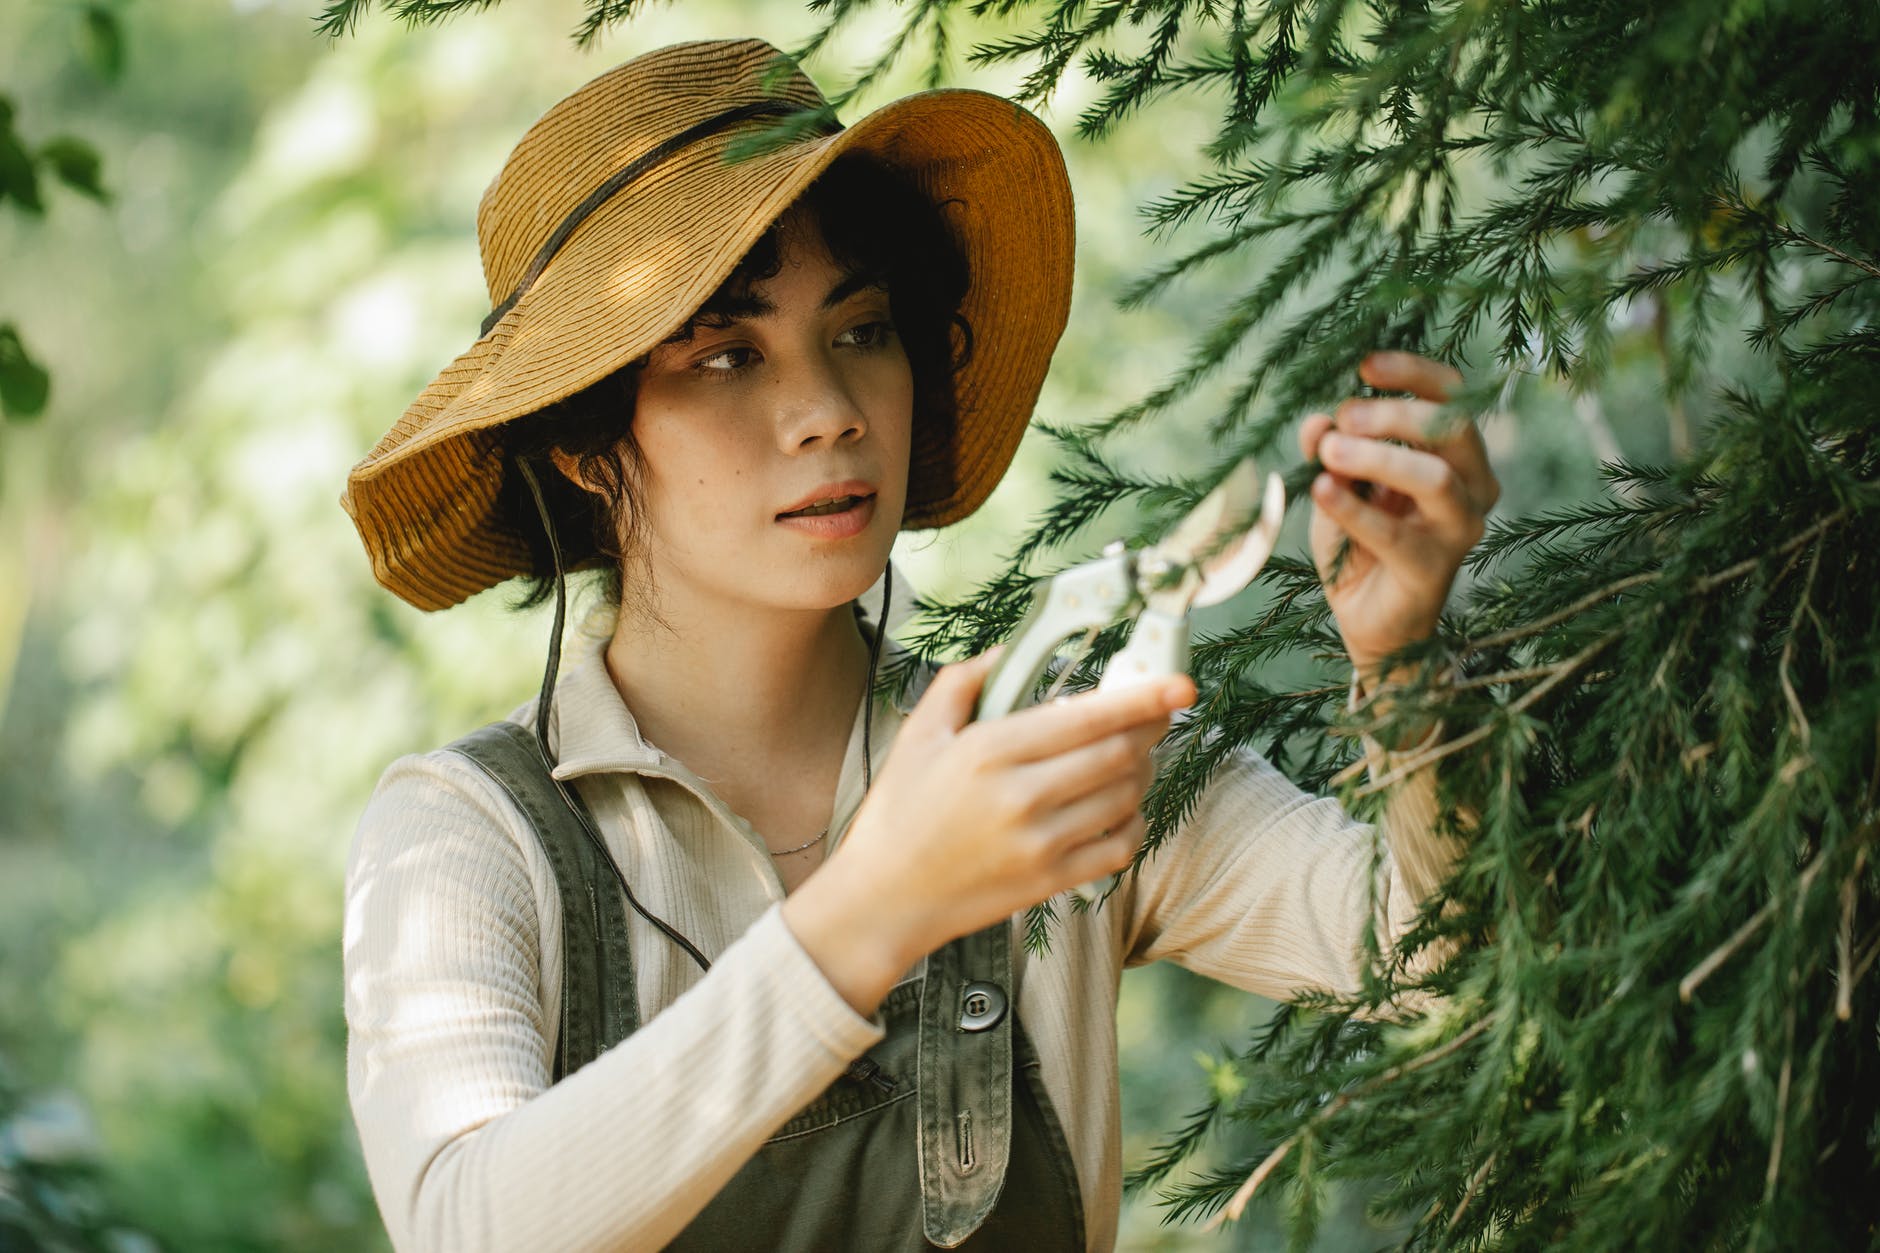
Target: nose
817,408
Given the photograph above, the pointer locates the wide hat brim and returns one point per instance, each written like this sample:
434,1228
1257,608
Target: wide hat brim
633,271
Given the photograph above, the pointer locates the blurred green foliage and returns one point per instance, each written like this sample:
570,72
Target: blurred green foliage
25,167
199,679
50,1160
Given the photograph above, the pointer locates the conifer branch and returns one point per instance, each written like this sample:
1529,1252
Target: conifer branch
1704,584
1468,1193
1795,236
1238,1203
1499,639
1715,960
1561,672
1560,189
1169,1154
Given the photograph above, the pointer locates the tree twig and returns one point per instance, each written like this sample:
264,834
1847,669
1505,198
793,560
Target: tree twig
1237,1204
1793,542
1468,1194
1496,638
1844,941
1782,1107
1704,584
1232,1211
1558,671
1507,676
1788,649
1435,753
1867,955
1796,236
1725,951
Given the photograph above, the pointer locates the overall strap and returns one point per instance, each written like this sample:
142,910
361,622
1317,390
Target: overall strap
599,1006
965,1082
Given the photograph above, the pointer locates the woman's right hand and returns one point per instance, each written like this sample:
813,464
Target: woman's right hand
970,822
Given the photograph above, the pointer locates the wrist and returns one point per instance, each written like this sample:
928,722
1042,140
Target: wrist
1373,684
857,936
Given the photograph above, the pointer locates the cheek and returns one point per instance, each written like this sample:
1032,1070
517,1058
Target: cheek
691,468
892,424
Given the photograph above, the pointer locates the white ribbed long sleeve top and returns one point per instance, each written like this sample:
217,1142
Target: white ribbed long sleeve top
452,951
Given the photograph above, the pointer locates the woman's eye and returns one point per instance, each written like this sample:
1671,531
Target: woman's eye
868,334
724,361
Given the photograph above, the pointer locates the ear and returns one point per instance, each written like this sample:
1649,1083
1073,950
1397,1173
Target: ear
570,467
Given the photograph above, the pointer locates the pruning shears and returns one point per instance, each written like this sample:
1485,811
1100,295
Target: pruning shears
1212,553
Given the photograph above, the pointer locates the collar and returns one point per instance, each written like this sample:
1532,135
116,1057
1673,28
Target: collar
593,732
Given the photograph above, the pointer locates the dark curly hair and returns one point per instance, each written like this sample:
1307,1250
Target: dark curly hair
874,222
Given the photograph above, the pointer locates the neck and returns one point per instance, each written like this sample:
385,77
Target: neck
739,688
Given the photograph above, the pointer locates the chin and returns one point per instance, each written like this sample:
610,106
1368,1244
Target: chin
835,583
834,577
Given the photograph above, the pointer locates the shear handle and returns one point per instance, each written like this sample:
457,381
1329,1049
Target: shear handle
1070,603
1157,647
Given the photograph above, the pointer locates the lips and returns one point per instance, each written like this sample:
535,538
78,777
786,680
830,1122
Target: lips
830,498
833,512
822,508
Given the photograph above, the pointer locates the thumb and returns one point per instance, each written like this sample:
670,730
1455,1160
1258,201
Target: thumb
950,699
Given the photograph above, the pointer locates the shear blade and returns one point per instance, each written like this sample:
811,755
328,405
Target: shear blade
1221,537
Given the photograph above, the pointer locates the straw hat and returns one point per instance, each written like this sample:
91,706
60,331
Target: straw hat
619,213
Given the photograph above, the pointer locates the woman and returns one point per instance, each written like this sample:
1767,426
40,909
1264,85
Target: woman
727,385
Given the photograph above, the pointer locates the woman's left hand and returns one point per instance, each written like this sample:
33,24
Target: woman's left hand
1430,490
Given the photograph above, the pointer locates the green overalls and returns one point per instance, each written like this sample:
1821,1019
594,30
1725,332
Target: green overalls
941,1135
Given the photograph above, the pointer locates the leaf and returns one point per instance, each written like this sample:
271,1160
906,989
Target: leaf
101,38
76,164
24,383
19,178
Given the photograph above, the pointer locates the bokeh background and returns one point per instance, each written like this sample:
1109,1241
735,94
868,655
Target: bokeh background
199,681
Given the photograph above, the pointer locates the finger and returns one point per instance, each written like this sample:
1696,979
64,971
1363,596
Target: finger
1407,372
1105,855
1424,477
1447,434
1067,778
1388,538
1044,731
951,697
1309,432
1087,819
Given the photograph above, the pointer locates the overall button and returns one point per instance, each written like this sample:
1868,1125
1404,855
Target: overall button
981,1005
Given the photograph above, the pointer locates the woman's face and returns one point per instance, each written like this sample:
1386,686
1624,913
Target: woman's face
774,449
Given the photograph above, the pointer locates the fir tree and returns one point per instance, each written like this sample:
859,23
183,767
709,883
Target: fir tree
1657,1027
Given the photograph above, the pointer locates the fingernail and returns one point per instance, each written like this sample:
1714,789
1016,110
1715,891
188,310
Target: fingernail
1324,487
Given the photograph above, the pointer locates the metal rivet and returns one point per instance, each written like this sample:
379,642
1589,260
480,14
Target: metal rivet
982,1005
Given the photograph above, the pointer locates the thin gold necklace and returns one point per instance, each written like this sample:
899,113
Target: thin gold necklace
785,852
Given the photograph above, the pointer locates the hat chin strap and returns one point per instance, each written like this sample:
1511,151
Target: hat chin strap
868,693
544,703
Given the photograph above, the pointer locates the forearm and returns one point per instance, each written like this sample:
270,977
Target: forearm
1270,889
469,1152
1423,852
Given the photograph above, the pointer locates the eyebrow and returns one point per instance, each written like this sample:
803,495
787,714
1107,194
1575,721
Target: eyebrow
727,308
